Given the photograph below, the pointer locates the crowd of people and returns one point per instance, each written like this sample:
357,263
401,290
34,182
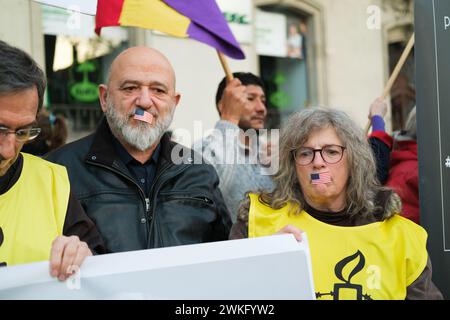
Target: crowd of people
119,189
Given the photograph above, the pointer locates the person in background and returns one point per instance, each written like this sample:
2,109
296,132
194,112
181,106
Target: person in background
396,158
379,140
361,248
241,104
404,169
53,134
294,42
40,218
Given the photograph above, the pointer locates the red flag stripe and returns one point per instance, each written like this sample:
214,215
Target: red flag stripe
108,14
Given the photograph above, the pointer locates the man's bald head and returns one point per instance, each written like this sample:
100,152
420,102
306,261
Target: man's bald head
144,58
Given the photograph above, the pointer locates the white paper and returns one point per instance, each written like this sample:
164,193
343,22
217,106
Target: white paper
275,267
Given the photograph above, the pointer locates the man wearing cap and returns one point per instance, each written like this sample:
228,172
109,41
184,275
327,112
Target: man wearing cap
127,175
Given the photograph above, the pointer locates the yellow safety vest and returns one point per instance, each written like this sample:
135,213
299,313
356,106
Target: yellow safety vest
374,261
33,211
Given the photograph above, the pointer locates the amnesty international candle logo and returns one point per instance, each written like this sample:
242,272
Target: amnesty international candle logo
2,264
347,286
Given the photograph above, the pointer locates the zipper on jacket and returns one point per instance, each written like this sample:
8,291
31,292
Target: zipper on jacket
141,192
157,184
196,198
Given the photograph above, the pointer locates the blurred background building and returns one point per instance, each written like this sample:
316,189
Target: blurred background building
337,53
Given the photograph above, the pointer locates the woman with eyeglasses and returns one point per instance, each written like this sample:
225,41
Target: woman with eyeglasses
361,248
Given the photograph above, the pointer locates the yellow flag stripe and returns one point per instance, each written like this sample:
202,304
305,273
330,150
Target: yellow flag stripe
154,14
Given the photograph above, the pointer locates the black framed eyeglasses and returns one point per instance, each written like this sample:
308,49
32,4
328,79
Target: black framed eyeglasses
331,154
22,135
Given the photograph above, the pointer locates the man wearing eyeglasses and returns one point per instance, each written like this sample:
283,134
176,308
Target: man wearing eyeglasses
39,217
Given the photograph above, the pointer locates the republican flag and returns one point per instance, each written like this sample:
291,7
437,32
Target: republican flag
319,178
142,115
201,20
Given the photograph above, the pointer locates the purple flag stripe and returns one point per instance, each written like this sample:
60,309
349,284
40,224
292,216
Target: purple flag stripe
208,25
200,34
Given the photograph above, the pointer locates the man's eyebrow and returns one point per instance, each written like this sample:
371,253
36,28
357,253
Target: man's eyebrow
161,85
32,124
139,83
125,82
21,127
263,96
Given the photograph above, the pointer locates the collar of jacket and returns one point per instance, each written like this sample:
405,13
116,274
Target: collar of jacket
102,150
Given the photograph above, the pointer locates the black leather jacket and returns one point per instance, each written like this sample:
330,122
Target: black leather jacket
185,205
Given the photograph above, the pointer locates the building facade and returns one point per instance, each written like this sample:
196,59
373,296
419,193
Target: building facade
339,53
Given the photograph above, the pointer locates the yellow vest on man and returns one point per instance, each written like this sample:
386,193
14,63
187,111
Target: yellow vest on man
373,261
33,211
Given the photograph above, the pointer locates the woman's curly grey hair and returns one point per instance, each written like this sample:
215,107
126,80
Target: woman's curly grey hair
362,185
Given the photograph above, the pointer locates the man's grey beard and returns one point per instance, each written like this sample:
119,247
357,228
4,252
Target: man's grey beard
143,135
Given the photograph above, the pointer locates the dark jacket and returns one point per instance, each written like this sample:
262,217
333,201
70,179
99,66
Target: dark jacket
184,206
381,144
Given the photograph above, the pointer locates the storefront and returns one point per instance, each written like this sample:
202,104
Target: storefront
76,62
308,52
287,42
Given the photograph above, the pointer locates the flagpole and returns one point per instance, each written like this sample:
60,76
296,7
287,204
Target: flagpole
395,73
225,67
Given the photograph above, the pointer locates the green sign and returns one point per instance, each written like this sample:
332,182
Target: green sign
279,99
236,18
85,91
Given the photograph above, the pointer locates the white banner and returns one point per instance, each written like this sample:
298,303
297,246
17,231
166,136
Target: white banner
275,267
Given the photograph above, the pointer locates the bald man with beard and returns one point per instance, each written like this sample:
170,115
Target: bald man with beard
124,174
